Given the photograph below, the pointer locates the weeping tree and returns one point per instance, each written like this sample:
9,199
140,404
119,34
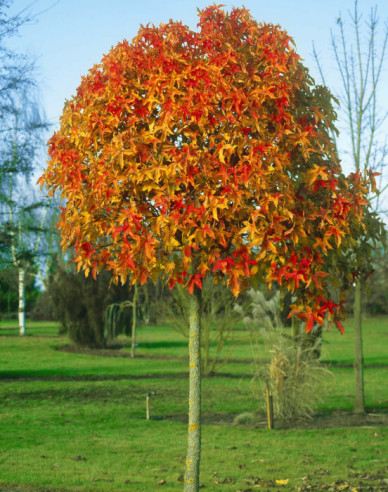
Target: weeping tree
185,153
23,220
21,128
121,317
80,304
360,62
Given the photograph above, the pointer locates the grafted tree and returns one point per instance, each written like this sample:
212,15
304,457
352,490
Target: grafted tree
184,153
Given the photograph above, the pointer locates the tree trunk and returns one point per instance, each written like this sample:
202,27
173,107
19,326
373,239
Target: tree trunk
194,432
359,403
22,306
134,301
296,331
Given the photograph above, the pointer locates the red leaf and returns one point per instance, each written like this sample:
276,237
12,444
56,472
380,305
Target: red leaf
310,323
340,327
88,248
171,283
187,251
195,280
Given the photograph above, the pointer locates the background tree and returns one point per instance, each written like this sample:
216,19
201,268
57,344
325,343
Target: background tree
184,153
9,290
360,63
377,299
16,79
123,317
219,320
21,127
22,225
79,303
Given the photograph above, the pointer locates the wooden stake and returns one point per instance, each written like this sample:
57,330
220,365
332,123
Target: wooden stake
269,409
148,406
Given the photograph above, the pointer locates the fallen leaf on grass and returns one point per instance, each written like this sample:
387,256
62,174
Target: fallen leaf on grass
162,482
281,482
224,480
78,458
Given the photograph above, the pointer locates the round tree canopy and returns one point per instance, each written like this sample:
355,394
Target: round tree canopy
187,153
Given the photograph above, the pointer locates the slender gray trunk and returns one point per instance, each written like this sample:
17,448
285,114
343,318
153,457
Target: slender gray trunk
194,431
134,301
22,306
359,403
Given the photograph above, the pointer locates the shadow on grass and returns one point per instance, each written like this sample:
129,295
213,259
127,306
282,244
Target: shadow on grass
60,375
121,350
130,393
164,344
349,364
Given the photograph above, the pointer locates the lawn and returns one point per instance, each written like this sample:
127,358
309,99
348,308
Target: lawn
76,421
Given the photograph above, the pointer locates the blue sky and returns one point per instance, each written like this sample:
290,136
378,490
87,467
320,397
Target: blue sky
70,36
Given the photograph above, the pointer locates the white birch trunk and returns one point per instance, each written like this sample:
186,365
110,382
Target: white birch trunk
22,304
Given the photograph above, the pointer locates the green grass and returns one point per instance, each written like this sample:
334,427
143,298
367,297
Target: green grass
76,422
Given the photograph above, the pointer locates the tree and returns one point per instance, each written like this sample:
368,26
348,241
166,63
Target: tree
22,226
79,303
9,298
21,127
184,153
16,79
360,67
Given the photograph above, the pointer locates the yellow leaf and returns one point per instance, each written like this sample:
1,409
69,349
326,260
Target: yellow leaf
254,270
282,482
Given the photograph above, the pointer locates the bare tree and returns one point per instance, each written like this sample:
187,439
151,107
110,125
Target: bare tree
22,126
360,54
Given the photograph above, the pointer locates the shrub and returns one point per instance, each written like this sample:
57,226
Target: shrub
9,296
43,309
79,302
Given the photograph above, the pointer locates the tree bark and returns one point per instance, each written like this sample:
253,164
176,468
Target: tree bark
359,402
22,304
194,431
134,301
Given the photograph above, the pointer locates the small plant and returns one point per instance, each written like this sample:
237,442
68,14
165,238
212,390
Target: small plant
295,378
293,375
